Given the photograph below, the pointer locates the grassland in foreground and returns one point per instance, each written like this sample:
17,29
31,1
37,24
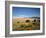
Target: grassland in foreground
19,24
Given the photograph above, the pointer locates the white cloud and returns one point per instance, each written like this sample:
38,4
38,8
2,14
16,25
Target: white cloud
20,16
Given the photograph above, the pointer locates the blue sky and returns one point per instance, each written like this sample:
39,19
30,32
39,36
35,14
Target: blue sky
25,11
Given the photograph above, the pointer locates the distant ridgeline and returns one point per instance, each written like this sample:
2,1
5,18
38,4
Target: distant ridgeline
38,18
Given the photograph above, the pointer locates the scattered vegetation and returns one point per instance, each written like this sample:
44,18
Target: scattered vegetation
27,25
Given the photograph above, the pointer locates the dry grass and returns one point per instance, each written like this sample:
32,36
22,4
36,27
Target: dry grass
21,24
